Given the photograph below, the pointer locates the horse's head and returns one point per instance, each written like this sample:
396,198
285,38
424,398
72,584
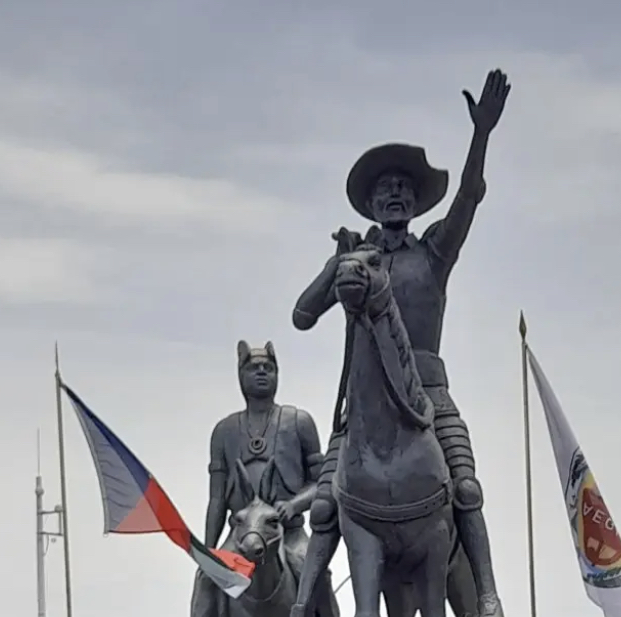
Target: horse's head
362,283
257,531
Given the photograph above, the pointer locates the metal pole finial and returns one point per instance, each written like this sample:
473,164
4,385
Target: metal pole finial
522,326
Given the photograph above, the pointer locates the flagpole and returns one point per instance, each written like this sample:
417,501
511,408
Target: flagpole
39,492
63,484
529,484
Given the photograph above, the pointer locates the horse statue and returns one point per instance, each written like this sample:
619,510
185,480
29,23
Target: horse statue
392,485
258,536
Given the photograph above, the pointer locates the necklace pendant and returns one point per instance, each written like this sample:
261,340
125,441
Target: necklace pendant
257,445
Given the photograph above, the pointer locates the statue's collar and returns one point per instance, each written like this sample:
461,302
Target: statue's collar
392,244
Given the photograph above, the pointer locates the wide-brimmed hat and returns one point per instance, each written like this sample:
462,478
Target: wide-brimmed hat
430,184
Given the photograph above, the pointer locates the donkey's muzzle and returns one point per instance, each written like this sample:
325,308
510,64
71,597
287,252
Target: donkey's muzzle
253,547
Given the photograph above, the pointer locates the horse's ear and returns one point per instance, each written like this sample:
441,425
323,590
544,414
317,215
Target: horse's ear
243,352
374,235
267,486
245,484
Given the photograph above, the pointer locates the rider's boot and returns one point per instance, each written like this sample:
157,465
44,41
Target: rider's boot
321,549
468,501
325,535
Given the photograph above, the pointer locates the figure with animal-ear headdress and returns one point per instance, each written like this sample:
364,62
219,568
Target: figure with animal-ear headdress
263,433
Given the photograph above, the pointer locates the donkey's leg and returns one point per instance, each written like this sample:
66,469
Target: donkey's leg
434,571
365,554
207,600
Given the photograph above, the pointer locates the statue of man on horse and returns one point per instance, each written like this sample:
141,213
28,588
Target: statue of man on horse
263,440
391,185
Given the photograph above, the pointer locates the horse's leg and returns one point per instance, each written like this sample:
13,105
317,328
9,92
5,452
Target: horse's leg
401,599
434,570
461,589
365,554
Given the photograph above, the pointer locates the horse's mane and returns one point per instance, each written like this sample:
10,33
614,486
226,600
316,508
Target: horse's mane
365,246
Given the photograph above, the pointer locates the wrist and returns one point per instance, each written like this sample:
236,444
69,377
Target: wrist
481,132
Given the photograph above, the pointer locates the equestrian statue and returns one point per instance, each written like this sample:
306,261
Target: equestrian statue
399,416
263,469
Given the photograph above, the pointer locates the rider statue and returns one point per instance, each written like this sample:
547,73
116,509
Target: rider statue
263,431
391,185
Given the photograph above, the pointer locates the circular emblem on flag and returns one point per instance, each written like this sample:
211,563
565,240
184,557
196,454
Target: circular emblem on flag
597,541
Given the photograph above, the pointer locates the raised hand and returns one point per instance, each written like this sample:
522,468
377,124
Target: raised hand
486,113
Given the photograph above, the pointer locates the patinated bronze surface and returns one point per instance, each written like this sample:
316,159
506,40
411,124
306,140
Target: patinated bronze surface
265,461
391,185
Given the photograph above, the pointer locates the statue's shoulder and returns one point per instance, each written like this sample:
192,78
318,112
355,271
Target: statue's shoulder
293,412
227,424
301,418
288,411
431,231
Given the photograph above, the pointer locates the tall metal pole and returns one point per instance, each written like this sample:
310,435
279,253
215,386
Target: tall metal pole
529,483
40,536
63,485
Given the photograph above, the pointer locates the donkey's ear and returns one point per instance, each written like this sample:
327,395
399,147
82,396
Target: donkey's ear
245,485
269,349
243,352
267,487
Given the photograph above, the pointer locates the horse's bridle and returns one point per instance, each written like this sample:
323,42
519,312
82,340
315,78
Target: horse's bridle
418,420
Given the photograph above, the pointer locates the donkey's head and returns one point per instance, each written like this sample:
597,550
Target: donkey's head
362,283
257,531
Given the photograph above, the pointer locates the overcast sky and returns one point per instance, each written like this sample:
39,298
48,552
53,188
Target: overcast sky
170,174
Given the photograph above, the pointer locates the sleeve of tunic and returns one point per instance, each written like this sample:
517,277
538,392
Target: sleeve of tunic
311,446
217,459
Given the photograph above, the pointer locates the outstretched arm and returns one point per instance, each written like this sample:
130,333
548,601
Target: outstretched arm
451,233
218,475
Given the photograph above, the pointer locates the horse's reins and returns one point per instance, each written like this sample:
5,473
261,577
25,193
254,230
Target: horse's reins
419,420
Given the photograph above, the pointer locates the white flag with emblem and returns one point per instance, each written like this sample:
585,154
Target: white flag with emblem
595,537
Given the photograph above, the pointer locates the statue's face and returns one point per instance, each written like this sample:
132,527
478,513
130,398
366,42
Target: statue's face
259,377
361,280
393,199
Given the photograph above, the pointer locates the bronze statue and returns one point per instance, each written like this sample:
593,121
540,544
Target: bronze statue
265,440
391,185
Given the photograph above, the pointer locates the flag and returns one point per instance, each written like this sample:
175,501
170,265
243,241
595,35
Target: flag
594,534
135,503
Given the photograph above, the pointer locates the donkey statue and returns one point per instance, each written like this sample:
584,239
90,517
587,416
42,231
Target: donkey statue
392,484
258,536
